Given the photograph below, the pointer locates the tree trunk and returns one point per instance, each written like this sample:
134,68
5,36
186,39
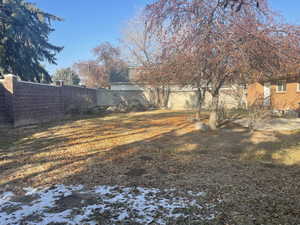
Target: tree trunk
157,97
198,113
200,99
213,117
166,96
162,97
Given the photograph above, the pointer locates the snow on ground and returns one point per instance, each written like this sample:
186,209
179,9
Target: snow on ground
74,205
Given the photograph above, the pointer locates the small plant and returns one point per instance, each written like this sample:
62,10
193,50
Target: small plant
257,113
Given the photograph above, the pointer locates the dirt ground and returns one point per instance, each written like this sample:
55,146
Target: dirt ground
273,124
254,176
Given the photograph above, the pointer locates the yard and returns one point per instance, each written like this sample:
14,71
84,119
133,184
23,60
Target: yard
247,178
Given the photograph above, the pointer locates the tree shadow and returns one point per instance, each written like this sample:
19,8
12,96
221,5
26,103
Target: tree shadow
28,146
159,150
167,147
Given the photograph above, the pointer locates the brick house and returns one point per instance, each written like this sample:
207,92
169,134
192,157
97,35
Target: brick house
281,94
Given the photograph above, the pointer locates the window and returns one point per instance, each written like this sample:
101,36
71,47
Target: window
281,86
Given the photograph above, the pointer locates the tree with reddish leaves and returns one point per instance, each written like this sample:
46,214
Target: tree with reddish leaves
110,58
107,67
92,74
217,45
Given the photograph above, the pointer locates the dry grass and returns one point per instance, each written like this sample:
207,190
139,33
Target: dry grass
55,153
162,149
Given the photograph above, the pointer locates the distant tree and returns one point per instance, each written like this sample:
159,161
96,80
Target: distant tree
107,67
69,76
92,74
110,58
24,31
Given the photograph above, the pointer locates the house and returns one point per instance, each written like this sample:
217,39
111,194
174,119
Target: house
280,94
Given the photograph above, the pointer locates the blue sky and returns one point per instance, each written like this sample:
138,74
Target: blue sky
87,23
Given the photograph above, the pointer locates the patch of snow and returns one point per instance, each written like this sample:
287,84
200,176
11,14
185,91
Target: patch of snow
30,190
197,194
142,205
5,197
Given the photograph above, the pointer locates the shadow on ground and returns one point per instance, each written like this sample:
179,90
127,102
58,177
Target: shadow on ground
256,175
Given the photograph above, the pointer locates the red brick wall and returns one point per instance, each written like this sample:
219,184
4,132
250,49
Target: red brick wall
255,94
287,100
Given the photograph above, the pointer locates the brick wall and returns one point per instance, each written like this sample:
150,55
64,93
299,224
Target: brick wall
287,100
36,103
24,103
3,115
255,94
78,98
30,103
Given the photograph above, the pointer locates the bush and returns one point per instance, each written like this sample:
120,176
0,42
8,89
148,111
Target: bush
129,106
231,114
257,113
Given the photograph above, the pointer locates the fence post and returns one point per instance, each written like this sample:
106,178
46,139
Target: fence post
9,84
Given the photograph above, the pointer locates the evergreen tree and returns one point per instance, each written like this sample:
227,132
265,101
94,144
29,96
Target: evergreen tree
24,45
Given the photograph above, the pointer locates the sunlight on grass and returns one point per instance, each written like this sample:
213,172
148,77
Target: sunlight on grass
187,147
64,150
102,150
288,156
284,151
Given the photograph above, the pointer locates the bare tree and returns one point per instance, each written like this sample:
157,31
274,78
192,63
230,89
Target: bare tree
144,49
222,46
238,4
